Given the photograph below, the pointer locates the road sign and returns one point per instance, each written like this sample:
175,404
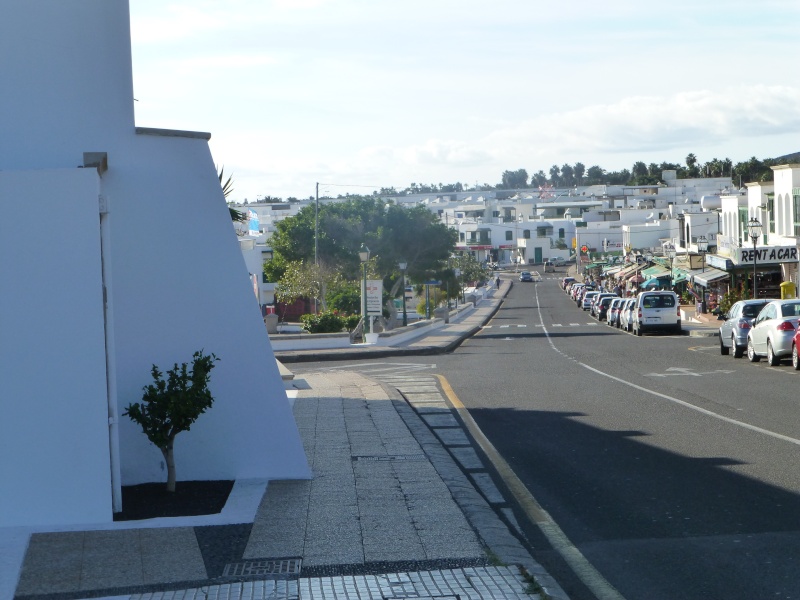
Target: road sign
433,282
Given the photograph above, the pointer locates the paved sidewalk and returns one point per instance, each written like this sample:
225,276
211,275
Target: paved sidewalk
389,514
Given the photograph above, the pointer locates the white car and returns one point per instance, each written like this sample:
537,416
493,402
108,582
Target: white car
656,311
772,331
558,261
626,313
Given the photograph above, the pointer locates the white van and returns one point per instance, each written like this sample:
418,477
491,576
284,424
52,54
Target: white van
656,311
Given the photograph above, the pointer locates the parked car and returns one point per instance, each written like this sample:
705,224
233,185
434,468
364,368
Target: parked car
796,350
737,323
526,276
593,309
612,318
773,331
656,311
601,307
566,281
558,261
626,314
586,301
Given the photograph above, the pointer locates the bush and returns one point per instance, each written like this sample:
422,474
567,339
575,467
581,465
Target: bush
344,299
351,321
324,322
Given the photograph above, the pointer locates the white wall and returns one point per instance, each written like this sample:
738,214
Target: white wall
177,280
54,445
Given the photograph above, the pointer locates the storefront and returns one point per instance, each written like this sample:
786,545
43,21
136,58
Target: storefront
771,266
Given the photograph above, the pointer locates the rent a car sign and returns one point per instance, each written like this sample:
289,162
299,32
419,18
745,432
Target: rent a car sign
768,254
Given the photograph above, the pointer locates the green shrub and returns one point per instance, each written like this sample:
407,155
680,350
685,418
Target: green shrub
324,322
351,321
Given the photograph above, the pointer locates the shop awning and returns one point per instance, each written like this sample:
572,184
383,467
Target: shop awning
655,272
629,270
708,276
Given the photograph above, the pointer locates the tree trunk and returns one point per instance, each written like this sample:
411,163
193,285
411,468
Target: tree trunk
169,458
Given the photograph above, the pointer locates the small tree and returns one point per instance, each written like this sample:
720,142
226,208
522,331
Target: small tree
171,406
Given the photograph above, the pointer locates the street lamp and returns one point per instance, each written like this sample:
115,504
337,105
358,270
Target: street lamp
754,229
363,256
702,248
403,265
671,255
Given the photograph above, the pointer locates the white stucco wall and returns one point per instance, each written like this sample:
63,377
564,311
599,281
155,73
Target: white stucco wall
177,281
54,448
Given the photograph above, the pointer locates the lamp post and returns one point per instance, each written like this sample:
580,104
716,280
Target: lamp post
403,265
702,248
754,230
671,256
363,256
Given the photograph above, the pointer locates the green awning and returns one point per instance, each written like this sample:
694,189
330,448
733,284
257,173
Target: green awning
655,272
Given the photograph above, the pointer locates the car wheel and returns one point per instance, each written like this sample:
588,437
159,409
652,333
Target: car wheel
738,351
795,358
723,349
773,360
637,330
751,352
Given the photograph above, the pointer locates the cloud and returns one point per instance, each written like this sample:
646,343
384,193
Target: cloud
611,135
646,123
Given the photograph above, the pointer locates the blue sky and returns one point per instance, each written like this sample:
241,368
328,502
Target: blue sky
364,93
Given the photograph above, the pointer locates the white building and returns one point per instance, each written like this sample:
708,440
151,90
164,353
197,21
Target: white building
85,314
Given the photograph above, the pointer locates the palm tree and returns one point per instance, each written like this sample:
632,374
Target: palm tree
227,188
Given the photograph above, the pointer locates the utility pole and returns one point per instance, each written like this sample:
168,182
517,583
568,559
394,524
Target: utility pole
316,240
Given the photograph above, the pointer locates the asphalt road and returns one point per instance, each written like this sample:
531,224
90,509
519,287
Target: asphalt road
672,469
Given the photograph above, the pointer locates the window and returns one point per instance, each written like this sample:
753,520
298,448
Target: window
526,233
509,235
561,233
790,310
744,233
771,213
796,205
667,301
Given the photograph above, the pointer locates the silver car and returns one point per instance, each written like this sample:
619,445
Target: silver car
626,313
588,298
738,321
772,331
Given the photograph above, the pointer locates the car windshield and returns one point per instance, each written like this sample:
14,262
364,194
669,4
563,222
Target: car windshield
666,301
790,310
752,310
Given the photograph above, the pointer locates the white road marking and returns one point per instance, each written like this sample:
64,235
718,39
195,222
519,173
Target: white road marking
685,371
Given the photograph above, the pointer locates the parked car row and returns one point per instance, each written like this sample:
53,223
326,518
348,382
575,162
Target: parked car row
763,329
759,328
649,311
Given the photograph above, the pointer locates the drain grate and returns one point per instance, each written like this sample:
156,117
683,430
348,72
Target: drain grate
260,568
392,457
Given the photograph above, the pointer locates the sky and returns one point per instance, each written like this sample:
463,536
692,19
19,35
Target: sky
355,95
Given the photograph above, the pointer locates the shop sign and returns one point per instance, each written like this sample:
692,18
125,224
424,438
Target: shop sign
769,254
719,262
374,296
